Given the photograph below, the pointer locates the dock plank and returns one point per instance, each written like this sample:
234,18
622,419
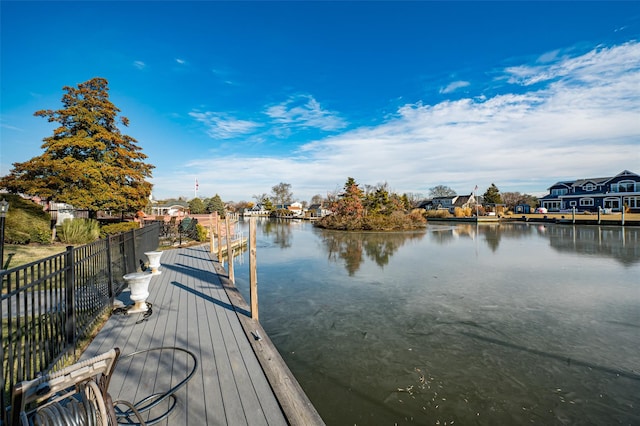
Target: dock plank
191,310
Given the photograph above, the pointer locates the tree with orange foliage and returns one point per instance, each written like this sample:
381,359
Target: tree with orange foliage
87,162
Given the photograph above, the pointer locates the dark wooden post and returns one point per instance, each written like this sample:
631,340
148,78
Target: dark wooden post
253,271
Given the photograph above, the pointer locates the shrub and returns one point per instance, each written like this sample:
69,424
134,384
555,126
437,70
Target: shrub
417,216
78,231
118,228
203,233
462,212
440,213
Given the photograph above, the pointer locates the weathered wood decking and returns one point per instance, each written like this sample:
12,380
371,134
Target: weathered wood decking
239,380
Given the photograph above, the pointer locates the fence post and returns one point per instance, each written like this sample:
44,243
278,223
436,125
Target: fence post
123,251
210,233
135,250
253,271
69,292
219,238
229,250
109,270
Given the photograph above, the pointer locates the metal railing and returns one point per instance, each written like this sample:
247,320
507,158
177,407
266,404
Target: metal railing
50,305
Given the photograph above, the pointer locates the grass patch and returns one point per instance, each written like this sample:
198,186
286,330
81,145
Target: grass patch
23,254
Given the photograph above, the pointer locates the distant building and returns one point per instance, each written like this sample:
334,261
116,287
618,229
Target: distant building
606,193
449,202
522,209
318,210
256,210
170,208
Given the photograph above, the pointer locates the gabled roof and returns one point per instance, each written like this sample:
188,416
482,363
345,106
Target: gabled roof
444,197
462,200
595,181
565,183
622,174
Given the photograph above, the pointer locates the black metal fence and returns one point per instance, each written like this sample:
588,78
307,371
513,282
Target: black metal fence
50,305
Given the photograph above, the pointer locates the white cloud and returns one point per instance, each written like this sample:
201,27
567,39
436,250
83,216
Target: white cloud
181,61
453,86
305,111
581,119
596,66
222,126
139,64
9,127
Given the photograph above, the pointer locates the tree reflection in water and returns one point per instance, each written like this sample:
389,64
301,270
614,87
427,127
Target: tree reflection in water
278,230
378,246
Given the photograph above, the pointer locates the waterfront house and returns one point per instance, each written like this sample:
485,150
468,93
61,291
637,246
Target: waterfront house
318,210
256,210
295,208
609,194
449,202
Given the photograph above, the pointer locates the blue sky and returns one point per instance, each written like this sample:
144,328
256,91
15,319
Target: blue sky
245,95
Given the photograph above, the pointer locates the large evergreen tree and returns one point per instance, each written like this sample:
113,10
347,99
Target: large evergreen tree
215,204
196,206
350,201
492,195
87,162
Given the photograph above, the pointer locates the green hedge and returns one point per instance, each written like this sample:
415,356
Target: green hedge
117,228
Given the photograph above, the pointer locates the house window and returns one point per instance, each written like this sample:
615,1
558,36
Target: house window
551,205
632,202
586,202
559,191
589,187
612,203
624,186
572,203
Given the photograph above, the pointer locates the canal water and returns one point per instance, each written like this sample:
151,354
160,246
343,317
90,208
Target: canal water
460,324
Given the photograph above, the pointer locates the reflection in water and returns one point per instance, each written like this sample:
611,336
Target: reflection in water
620,243
349,246
470,324
277,230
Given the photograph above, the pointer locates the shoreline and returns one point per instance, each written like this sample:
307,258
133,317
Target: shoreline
630,219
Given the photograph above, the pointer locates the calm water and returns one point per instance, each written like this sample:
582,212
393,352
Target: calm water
463,324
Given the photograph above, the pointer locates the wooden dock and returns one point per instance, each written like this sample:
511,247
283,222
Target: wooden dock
240,378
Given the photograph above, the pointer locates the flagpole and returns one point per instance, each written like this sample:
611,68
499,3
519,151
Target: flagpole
195,191
475,195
